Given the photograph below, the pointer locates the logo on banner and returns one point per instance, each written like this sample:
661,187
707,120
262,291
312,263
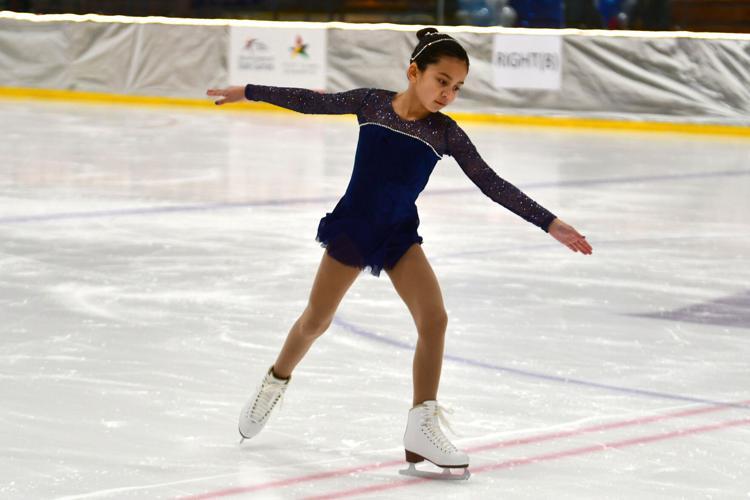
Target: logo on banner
280,56
254,44
255,56
299,48
527,62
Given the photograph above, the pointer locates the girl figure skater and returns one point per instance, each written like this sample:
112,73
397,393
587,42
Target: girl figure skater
374,226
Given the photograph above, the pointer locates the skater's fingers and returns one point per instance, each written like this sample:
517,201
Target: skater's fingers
579,247
569,242
585,247
581,244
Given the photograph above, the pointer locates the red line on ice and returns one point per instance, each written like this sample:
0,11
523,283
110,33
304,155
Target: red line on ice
544,457
500,444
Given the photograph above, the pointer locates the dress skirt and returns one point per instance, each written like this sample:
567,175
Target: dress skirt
356,241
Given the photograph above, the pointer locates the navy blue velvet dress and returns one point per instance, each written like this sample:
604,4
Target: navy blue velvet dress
376,220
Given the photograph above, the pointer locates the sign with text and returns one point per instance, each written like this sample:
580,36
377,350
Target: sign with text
527,61
283,57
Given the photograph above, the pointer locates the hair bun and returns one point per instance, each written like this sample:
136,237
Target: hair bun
425,31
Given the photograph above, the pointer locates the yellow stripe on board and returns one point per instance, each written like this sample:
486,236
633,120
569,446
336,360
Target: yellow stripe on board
104,98
550,121
100,97
545,121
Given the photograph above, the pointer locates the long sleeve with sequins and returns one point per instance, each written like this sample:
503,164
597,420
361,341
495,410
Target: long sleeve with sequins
495,187
308,101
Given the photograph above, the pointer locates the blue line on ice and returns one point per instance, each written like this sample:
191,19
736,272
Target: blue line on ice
20,219
537,375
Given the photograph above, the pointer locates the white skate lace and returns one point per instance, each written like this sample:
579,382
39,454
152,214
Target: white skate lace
431,422
268,395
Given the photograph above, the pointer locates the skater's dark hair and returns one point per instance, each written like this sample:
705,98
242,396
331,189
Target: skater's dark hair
434,45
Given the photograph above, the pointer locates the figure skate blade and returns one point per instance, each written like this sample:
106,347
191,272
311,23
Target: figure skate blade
445,475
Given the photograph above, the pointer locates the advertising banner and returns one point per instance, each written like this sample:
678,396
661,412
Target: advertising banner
284,57
527,61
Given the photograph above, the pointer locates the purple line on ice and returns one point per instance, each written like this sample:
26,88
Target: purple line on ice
537,375
21,219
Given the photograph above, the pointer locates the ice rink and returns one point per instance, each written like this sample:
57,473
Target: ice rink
153,260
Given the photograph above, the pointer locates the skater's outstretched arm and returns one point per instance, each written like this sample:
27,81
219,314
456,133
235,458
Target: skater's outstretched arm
506,194
296,99
495,187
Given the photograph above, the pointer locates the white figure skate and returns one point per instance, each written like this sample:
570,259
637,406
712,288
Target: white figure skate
256,411
424,440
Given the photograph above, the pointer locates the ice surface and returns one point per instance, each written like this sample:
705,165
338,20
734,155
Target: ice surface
152,261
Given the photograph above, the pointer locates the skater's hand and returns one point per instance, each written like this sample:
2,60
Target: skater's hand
568,236
229,94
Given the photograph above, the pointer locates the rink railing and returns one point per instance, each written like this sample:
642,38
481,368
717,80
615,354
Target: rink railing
677,81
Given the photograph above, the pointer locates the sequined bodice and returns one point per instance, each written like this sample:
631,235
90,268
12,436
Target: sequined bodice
395,157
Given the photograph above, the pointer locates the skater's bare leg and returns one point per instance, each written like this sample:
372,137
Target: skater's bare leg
332,281
416,283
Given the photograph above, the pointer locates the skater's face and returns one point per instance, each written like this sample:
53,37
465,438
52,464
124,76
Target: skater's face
438,85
